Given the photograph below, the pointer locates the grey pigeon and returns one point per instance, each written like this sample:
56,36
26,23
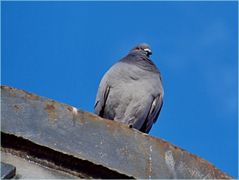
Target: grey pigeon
131,91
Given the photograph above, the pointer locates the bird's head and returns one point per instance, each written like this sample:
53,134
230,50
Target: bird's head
142,48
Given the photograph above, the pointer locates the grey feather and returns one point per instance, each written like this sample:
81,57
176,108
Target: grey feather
131,91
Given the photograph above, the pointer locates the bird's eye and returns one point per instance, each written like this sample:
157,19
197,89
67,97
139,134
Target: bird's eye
148,51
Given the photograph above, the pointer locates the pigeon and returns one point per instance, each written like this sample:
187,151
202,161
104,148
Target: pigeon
131,91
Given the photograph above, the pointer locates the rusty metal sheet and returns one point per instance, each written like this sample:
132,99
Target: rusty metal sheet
85,136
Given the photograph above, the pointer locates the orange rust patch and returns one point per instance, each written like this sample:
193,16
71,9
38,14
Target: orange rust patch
5,87
31,96
49,107
69,108
51,110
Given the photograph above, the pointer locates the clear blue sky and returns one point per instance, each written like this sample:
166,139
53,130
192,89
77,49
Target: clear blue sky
61,50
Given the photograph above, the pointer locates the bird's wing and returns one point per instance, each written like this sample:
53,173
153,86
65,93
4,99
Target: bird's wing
101,97
153,114
109,80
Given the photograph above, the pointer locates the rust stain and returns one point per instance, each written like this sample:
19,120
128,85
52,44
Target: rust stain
9,89
160,145
209,167
31,96
178,155
49,107
70,108
6,87
51,111
17,108
14,94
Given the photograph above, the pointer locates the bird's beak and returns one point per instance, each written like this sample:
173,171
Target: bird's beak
149,52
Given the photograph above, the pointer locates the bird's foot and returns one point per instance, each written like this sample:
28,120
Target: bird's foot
130,125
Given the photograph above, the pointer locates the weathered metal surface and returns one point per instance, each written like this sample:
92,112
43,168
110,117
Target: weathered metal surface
7,171
86,137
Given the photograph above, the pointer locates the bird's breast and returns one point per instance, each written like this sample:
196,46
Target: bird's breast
129,78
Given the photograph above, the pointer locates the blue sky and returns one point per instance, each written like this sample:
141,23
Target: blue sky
61,50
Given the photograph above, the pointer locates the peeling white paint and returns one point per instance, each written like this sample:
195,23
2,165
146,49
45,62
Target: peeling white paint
74,110
150,161
170,162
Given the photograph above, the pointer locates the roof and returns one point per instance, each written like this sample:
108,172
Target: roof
75,143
